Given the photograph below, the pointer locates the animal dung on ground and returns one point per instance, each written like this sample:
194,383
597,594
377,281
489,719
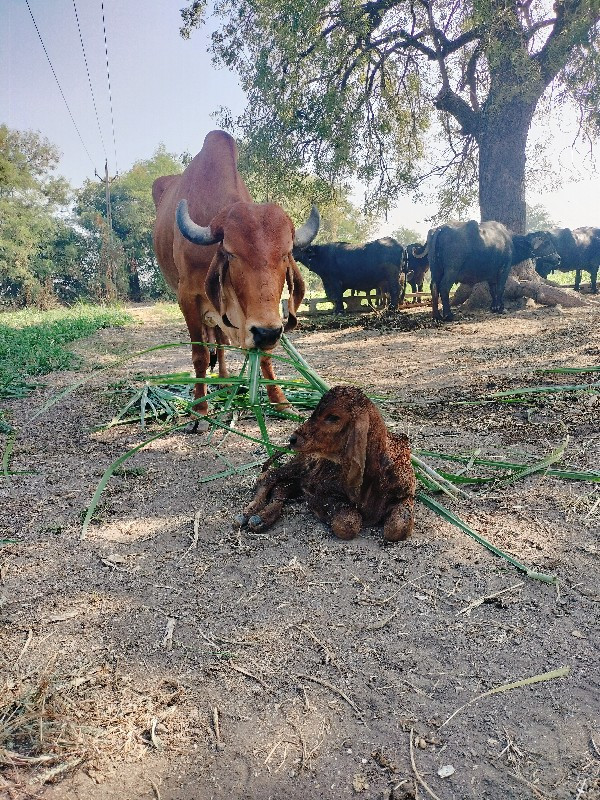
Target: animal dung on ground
351,469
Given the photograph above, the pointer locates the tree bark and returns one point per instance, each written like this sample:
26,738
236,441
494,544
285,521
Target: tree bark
502,141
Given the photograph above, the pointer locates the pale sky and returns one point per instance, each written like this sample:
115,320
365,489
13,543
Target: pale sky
164,90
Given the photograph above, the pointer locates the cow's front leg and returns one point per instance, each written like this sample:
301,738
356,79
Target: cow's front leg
399,522
594,279
394,286
275,394
190,307
498,291
497,306
577,279
222,339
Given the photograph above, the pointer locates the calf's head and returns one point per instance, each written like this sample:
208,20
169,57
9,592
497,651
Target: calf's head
250,267
345,427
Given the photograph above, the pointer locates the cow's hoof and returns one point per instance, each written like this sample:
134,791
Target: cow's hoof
198,426
255,522
447,318
240,520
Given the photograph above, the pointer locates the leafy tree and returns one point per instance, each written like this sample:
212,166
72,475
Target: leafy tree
30,198
351,87
539,219
407,236
128,265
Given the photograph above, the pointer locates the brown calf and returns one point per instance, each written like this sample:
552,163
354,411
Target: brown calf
352,470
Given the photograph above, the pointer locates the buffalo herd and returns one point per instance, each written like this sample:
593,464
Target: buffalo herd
228,259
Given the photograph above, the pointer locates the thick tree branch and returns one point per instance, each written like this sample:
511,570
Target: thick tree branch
571,22
453,104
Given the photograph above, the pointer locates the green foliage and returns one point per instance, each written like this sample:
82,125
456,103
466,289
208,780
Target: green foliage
345,88
30,199
33,342
538,218
137,275
407,236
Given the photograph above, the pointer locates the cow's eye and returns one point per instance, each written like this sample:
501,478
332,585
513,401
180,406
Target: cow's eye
332,418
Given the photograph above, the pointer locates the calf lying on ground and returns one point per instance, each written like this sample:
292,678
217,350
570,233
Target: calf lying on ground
352,470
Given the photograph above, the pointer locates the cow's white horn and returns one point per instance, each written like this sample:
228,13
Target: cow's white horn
197,234
307,232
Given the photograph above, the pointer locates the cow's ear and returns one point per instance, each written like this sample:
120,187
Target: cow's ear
215,279
295,283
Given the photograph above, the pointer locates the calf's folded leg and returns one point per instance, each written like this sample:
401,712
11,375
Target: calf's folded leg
273,488
399,521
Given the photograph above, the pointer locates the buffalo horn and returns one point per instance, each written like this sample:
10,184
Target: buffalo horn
307,232
197,234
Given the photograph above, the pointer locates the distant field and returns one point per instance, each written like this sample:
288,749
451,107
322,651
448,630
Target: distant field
33,343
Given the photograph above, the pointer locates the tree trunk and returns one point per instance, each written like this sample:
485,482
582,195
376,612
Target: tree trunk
502,141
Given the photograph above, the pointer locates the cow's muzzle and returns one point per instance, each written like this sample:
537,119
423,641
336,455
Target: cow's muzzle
265,338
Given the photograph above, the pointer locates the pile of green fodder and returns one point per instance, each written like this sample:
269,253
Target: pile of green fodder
168,398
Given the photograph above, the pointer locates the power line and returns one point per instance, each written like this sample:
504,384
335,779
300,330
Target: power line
112,118
89,78
59,86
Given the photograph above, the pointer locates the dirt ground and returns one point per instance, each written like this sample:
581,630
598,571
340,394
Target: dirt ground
290,664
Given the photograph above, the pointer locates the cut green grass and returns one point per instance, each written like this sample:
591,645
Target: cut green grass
247,391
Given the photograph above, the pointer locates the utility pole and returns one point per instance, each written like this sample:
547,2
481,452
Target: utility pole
107,253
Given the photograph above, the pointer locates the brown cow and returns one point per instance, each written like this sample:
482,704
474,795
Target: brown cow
227,257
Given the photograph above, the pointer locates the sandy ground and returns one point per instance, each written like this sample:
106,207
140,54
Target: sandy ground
290,664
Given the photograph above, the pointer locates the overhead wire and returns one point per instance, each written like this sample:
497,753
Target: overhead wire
89,78
59,86
112,118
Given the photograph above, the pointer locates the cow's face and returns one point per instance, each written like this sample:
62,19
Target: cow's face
248,273
543,250
306,256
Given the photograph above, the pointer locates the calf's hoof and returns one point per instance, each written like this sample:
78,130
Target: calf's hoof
240,520
255,522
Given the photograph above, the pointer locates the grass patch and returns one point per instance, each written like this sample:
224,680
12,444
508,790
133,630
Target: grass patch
34,343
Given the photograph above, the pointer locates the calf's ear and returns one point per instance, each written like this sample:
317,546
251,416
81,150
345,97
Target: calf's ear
215,279
355,454
295,284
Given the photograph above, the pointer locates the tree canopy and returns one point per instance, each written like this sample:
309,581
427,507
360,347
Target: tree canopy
354,87
31,197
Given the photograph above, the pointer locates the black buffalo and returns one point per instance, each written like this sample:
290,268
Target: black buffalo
578,250
344,266
470,252
416,266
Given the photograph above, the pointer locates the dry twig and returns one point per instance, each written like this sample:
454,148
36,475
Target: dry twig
418,776
332,688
